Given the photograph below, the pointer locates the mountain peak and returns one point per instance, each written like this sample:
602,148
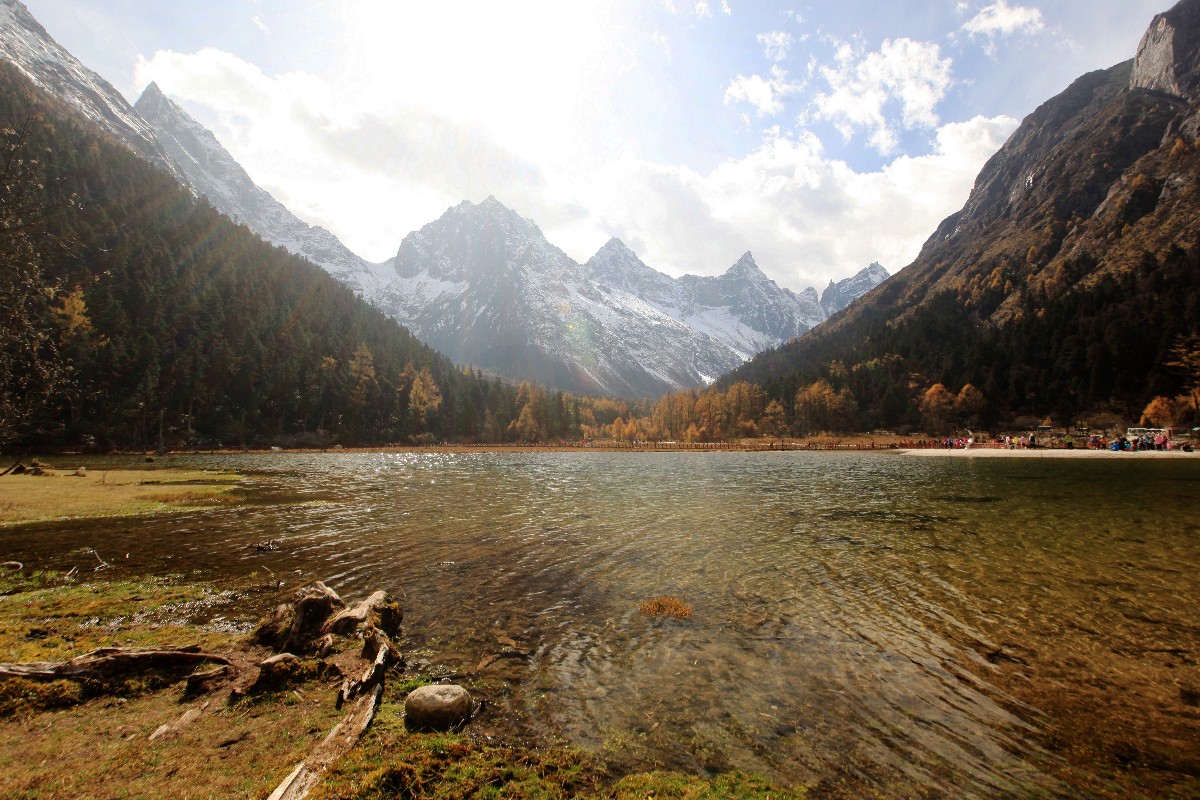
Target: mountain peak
615,246
617,267
745,267
1168,57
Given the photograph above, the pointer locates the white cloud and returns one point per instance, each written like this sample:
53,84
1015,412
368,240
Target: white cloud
260,23
764,94
661,40
807,218
372,165
1000,19
373,177
775,45
701,8
866,90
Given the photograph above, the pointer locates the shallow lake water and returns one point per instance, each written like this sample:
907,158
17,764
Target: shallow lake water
859,620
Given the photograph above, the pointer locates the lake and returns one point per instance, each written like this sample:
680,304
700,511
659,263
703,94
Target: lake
861,623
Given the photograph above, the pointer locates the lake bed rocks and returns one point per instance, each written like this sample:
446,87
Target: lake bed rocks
437,707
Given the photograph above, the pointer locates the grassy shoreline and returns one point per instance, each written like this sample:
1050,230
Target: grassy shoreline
88,494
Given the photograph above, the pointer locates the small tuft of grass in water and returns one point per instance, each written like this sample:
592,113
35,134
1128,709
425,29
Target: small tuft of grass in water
666,607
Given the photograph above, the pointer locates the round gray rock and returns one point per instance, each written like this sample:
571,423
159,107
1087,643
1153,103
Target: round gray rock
437,708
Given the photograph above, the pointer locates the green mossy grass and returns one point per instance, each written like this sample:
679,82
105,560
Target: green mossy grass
46,617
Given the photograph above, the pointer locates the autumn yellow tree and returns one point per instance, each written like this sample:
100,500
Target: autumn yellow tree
937,405
773,418
969,405
424,400
819,408
1162,412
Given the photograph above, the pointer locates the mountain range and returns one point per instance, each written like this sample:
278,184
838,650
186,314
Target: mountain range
484,286
515,306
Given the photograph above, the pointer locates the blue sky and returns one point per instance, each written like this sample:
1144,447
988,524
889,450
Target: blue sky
820,136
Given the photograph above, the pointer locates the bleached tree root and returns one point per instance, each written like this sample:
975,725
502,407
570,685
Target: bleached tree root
107,661
368,689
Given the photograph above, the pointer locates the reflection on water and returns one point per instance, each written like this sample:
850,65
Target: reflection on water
849,610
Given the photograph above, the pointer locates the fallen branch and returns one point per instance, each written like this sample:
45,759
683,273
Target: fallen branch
103,564
340,740
110,660
374,673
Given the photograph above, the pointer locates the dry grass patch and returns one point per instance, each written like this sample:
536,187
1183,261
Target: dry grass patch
666,607
63,494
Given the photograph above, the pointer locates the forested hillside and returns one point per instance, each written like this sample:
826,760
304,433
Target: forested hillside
1067,288
137,316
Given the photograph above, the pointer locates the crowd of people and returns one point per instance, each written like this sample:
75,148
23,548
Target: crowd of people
1152,441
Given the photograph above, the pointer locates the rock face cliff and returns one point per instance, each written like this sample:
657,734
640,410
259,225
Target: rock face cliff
1168,58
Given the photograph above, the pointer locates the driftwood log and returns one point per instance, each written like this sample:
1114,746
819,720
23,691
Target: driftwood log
340,740
111,661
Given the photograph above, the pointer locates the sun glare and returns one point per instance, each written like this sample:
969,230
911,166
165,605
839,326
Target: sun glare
514,67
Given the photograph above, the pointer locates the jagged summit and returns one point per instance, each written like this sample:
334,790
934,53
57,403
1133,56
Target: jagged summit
1168,57
745,267
838,295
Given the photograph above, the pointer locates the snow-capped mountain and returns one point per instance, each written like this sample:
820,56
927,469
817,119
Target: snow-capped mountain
840,294
484,286
27,45
743,309
214,173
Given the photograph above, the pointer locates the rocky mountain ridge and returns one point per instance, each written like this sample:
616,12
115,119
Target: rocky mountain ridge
215,174
26,44
484,285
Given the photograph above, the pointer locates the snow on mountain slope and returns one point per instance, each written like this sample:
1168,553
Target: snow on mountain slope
743,310
25,43
840,294
484,286
214,173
